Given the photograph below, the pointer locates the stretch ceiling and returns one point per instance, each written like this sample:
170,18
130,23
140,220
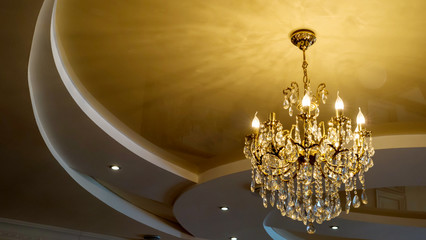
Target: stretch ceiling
189,75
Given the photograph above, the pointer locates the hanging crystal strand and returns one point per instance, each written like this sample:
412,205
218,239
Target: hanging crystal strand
337,208
298,203
348,202
272,199
291,192
258,177
356,203
253,184
297,132
290,200
362,181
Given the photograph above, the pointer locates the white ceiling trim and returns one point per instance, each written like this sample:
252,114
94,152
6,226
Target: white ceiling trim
37,57
109,123
19,230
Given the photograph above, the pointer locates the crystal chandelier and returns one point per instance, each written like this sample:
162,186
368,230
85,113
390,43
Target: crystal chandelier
300,171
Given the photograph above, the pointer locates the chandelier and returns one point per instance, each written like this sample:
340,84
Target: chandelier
300,171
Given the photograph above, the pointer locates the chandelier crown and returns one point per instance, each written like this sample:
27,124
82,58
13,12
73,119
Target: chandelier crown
300,171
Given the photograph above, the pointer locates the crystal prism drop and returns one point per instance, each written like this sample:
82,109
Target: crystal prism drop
310,228
356,202
323,97
286,103
290,111
272,200
252,186
293,98
265,201
316,112
258,178
364,197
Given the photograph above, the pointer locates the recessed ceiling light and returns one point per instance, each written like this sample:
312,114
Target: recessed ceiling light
115,167
334,227
233,238
224,208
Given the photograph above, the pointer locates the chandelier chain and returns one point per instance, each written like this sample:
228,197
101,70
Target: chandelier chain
306,80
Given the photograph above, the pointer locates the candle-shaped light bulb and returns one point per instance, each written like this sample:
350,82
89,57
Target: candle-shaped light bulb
255,123
339,105
360,120
306,101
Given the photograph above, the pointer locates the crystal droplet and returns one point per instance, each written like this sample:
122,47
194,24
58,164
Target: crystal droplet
258,178
310,228
316,113
323,97
272,200
356,202
290,111
364,197
252,186
265,201
292,98
286,103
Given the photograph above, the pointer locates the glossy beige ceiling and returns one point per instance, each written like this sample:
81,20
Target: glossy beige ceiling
188,75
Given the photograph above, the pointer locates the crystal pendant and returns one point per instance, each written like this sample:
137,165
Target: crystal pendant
310,228
316,112
293,98
364,197
252,186
290,111
356,203
258,178
323,97
286,103
283,212
272,200
265,201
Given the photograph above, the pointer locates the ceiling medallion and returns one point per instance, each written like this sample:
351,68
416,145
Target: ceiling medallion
301,170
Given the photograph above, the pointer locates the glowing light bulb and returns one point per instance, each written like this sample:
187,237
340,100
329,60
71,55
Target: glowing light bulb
306,101
255,123
360,118
339,103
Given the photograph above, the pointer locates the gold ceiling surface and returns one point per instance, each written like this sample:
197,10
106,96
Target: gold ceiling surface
189,75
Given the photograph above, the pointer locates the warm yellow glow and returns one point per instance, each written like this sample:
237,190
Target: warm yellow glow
360,118
306,101
339,103
255,123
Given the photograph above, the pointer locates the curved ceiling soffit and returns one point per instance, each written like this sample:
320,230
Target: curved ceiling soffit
38,57
109,123
355,225
232,191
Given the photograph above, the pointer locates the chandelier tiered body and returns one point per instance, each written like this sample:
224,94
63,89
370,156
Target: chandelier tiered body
300,171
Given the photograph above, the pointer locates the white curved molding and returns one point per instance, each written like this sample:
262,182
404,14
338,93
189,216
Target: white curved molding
113,127
399,141
19,230
282,235
374,218
379,143
37,55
